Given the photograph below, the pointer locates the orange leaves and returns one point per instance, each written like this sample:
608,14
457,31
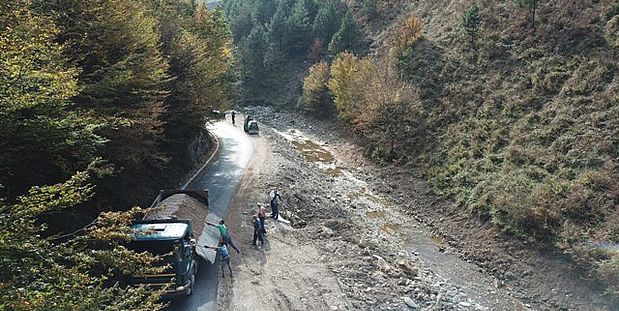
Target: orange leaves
315,86
405,34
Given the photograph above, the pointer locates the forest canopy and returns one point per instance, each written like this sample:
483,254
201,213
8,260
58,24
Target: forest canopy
101,105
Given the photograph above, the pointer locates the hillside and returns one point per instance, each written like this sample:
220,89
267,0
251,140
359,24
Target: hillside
511,108
517,121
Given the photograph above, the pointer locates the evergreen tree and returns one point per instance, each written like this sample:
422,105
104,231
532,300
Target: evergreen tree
348,37
253,49
278,26
327,21
369,9
470,22
299,24
263,11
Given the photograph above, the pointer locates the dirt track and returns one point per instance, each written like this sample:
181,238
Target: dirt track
369,238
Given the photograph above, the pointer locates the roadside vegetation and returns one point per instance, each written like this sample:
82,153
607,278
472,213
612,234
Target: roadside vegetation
102,103
511,108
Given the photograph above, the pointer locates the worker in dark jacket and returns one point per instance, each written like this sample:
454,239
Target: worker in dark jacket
257,230
275,198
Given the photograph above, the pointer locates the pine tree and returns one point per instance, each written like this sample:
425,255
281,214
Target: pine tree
299,24
470,22
327,21
278,26
348,37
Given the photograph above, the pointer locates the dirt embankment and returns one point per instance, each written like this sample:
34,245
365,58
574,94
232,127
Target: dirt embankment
370,238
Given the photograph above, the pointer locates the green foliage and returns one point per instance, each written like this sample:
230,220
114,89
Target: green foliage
271,50
369,9
278,27
80,272
300,25
327,20
131,82
315,87
41,139
470,22
348,37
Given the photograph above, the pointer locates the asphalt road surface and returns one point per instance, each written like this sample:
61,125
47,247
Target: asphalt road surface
221,179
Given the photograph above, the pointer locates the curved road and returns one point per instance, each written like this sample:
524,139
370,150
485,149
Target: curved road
221,178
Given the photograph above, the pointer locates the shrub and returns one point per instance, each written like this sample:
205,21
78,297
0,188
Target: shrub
347,76
405,34
315,87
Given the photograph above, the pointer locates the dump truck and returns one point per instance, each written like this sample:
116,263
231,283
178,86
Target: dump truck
174,227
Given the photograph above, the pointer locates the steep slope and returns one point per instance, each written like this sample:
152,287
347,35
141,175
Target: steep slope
515,116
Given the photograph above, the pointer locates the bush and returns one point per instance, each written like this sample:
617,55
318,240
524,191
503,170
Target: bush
315,93
348,74
405,34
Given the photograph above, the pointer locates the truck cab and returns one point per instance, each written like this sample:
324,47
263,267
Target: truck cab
175,227
173,240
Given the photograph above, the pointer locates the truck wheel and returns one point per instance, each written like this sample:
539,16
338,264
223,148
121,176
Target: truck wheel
192,278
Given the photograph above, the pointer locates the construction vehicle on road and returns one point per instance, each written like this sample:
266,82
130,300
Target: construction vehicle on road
174,227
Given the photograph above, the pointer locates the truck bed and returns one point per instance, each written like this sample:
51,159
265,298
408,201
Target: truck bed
189,205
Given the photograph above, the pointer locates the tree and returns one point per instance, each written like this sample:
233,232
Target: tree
278,26
299,25
368,8
530,5
253,49
327,21
349,76
83,271
470,22
348,37
315,87
41,139
405,34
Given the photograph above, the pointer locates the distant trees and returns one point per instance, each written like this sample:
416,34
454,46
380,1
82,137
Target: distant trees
369,9
327,20
295,29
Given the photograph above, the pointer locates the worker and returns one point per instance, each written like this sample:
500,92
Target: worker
225,235
275,197
257,230
262,215
225,256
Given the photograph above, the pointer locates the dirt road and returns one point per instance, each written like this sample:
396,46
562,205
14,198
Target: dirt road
358,242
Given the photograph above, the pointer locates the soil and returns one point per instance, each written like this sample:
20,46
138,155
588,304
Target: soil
364,237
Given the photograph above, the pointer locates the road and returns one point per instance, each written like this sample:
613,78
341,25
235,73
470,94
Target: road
221,178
